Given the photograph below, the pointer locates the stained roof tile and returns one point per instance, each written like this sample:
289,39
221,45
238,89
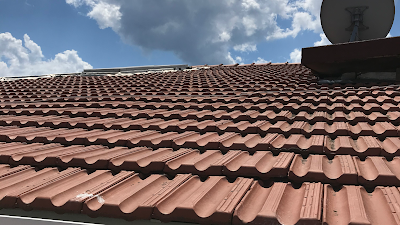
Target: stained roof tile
378,171
319,168
212,201
362,146
298,143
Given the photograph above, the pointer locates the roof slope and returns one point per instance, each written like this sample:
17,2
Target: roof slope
239,144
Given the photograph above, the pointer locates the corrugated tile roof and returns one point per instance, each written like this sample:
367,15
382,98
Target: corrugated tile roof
237,144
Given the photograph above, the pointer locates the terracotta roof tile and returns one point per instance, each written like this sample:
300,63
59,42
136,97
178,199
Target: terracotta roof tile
217,144
280,203
354,204
378,171
93,157
193,162
212,201
145,160
263,165
298,143
59,193
130,203
391,147
319,168
362,146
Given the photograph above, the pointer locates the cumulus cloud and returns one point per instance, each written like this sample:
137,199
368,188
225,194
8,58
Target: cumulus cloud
295,56
106,14
311,6
236,60
202,32
19,59
245,47
261,61
324,40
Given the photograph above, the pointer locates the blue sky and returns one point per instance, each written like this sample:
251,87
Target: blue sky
69,35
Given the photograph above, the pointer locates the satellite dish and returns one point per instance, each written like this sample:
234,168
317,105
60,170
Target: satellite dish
356,20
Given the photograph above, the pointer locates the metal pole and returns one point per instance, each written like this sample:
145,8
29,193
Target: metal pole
354,35
357,14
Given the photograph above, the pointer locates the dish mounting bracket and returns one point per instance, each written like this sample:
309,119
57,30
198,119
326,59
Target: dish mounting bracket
357,21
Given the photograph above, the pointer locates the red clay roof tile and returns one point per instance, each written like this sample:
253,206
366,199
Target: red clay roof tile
354,204
226,124
212,201
378,171
319,168
280,203
261,164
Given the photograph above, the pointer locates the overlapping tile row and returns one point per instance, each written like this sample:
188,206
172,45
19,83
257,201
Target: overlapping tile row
284,97
213,75
253,144
262,127
120,86
388,114
186,198
241,103
216,76
317,144
263,165
13,88
271,89
210,140
375,120
124,88
117,84
310,95
336,170
233,164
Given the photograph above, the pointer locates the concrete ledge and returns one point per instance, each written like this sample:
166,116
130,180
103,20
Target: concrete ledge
398,74
380,55
38,217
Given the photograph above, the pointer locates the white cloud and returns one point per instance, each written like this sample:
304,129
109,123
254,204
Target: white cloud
305,21
106,15
27,59
235,60
224,37
304,17
202,32
248,4
75,3
245,47
324,40
312,6
295,56
261,61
